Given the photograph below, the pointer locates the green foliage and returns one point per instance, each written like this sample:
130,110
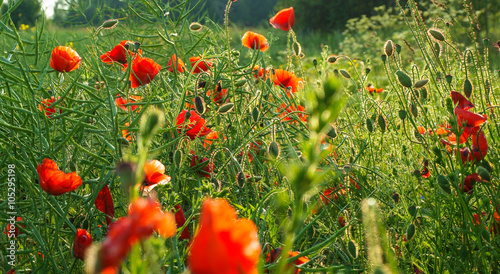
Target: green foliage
27,12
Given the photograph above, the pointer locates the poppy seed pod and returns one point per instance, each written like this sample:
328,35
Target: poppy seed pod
195,26
389,48
449,78
274,150
332,59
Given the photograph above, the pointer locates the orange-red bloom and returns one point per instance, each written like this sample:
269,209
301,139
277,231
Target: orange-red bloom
119,54
125,132
224,244
469,118
204,167
120,102
83,240
144,70
254,40
55,181
145,217
12,230
425,172
180,220
177,62
460,101
284,19
46,104
286,80
274,255
210,138
195,127
104,203
64,59
203,65
371,89
259,73
287,110
155,173
479,147
220,94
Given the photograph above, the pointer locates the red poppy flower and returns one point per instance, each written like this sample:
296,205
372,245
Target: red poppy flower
204,167
371,89
471,119
341,221
274,255
201,66
144,70
64,59
425,172
46,104
54,181
83,240
224,244
180,220
287,110
479,147
460,101
259,73
120,102
125,132
119,54
286,79
145,217
104,203
470,180
220,95
176,62
196,126
210,138
284,19
155,173
254,40
13,230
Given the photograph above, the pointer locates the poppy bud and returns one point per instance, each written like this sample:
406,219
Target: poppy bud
438,49
449,78
109,24
423,93
384,57
443,183
274,150
195,26
240,178
297,49
240,83
332,59
226,108
421,83
255,114
414,110
199,105
468,88
410,232
485,175
382,123
369,125
137,46
437,35
151,122
389,48
402,114
404,79
398,48
351,247
412,209
345,74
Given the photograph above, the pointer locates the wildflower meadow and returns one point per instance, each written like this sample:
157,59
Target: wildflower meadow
162,141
